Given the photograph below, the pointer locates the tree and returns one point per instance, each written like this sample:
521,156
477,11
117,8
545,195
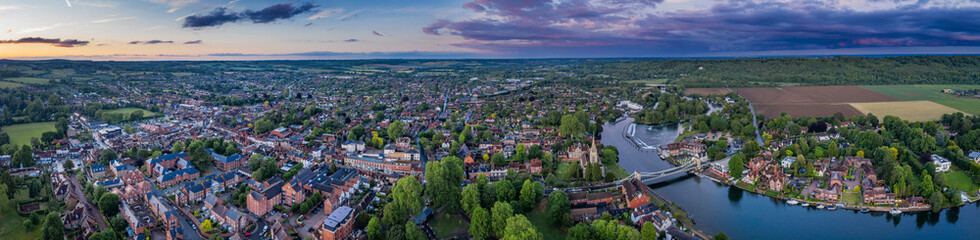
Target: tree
501,211
395,129
107,155
559,209
406,195
396,232
721,236
412,232
735,166
23,157
68,165
206,226
519,228
444,177
136,115
374,229
498,159
471,198
487,193
480,223
178,147
53,229
649,232
4,198
505,190
109,204
580,231
528,195
571,126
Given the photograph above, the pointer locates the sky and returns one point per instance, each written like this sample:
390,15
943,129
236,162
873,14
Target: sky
384,29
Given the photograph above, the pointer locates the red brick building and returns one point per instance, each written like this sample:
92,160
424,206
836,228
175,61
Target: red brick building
339,224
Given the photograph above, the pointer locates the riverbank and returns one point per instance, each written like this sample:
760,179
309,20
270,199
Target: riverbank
717,207
711,175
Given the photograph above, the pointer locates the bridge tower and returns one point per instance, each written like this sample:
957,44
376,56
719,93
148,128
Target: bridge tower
636,175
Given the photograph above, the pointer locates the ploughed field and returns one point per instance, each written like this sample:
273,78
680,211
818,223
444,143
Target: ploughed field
915,103
706,91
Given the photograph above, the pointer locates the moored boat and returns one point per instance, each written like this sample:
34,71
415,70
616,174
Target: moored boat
832,207
864,210
821,206
895,211
792,202
806,204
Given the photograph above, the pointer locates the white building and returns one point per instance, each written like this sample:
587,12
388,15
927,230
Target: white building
942,164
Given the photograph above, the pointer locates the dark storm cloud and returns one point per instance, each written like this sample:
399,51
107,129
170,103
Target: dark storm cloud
735,25
277,12
57,42
220,16
215,18
194,42
351,40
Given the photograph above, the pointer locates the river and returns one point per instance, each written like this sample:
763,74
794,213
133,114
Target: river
716,207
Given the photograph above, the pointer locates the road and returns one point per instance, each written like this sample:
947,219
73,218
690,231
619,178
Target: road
91,208
183,220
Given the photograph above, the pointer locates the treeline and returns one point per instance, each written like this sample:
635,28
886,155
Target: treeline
26,106
765,72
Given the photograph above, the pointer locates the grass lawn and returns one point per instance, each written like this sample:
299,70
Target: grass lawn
959,180
28,80
907,92
21,134
127,111
539,218
967,105
22,194
617,170
850,197
12,225
446,224
10,85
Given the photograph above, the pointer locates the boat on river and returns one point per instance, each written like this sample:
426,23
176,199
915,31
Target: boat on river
805,204
864,210
895,211
792,202
821,206
832,207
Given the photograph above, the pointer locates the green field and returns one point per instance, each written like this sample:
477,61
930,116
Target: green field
907,92
931,93
940,87
445,224
967,105
10,84
128,111
12,225
959,180
542,222
28,80
21,134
